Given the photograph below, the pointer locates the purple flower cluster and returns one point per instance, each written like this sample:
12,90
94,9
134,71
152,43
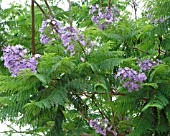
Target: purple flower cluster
104,15
130,78
14,59
101,126
161,19
43,38
68,35
147,64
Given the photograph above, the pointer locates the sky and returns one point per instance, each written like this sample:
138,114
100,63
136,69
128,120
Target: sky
6,3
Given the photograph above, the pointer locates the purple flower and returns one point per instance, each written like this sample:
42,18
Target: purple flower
101,14
116,19
92,122
95,19
161,19
106,14
82,42
109,15
115,8
88,50
44,39
14,59
109,128
130,78
68,35
56,22
37,55
126,84
141,77
147,64
103,132
94,7
91,43
102,26
114,133
71,47
155,21
82,59
106,120
44,23
148,15
97,124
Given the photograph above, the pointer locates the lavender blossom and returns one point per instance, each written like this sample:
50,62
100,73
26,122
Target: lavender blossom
70,47
102,26
82,59
148,15
115,8
95,19
155,21
93,9
44,39
68,35
14,59
101,126
44,23
161,19
106,14
147,64
130,78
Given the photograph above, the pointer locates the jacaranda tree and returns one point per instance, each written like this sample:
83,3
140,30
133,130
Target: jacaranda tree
88,70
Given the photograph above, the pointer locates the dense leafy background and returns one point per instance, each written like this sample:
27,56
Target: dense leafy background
66,93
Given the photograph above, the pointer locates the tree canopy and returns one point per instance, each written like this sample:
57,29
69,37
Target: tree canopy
88,70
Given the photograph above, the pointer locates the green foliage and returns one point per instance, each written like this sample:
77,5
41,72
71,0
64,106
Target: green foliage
66,93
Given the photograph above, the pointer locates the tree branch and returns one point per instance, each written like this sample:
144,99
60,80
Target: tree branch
41,9
45,14
33,28
141,50
70,14
109,4
134,6
135,48
15,131
159,45
20,132
51,13
102,114
110,93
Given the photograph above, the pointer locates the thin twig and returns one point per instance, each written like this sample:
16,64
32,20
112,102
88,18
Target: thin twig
134,6
45,15
101,2
19,132
41,9
51,13
109,4
33,28
159,45
135,48
141,50
112,111
110,93
70,14
102,114
9,126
